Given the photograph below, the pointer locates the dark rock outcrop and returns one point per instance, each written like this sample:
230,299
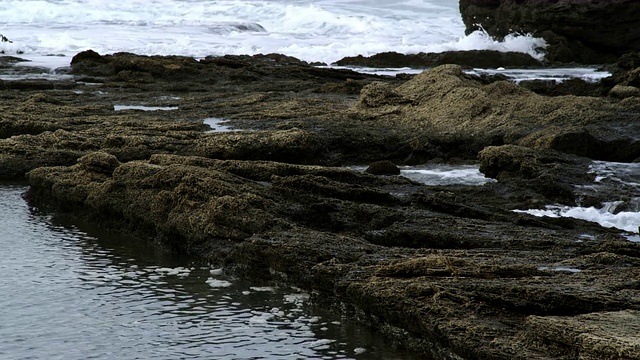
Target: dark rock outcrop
448,274
576,86
457,111
470,58
211,70
384,167
447,270
583,31
549,173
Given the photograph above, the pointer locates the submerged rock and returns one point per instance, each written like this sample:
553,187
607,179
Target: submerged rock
211,70
384,167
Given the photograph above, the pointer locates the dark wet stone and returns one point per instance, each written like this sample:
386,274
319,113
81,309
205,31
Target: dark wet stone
470,58
384,167
29,84
8,61
587,32
576,87
450,270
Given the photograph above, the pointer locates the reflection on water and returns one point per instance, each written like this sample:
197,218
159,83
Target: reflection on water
65,294
217,125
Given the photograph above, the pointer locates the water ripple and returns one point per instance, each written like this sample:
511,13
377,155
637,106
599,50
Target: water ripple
68,295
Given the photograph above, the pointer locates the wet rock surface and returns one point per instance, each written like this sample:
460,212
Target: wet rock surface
449,271
471,58
583,31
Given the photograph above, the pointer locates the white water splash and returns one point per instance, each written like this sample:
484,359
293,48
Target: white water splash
624,178
320,30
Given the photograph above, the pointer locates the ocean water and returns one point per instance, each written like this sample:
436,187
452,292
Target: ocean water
70,291
318,30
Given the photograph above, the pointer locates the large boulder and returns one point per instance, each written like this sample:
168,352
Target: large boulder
585,31
461,114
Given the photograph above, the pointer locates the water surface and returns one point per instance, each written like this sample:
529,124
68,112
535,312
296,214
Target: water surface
68,291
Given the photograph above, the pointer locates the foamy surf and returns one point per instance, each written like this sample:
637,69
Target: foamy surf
625,220
321,30
624,178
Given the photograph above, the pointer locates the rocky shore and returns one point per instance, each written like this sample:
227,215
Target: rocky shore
448,271
581,31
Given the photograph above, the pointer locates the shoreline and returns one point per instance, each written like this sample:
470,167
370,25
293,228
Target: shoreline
449,269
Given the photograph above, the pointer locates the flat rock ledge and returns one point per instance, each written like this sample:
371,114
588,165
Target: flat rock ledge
449,271
435,270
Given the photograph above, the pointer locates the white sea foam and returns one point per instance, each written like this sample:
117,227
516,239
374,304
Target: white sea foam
263,288
319,30
557,74
179,271
621,173
625,220
144,108
216,283
560,268
359,350
516,75
442,174
216,272
446,175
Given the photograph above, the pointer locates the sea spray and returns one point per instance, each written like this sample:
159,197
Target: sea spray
322,30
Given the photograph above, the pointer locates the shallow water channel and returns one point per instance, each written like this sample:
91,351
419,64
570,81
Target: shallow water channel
69,291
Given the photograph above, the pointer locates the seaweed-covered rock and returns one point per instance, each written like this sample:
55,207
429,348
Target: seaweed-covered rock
99,162
549,173
621,91
575,86
294,145
446,274
384,167
134,68
456,111
378,94
447,270
603,335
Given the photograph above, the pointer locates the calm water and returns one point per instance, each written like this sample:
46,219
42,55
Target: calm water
68,292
